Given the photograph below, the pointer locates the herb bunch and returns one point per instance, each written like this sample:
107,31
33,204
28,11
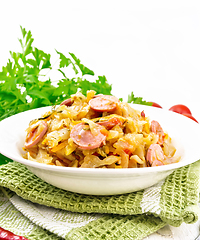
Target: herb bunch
21,88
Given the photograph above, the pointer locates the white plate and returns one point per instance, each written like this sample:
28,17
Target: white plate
184,132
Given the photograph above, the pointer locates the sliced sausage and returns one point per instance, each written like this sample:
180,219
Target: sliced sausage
110,123
83,137
157,129
143,114
104,103
35,134
68,102
155,155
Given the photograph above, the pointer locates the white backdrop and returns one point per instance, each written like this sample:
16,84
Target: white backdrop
149,47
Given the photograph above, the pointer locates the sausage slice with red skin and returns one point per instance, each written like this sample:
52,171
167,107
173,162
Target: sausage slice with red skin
155,155
104,103
110,123
157,129
37,131
83,137
68,102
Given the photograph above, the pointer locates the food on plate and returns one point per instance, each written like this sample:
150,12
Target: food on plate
98,131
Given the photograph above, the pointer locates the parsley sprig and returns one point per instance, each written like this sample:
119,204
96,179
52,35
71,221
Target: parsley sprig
137,100
20,85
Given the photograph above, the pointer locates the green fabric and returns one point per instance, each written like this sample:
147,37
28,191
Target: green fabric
107,226
128,216
4,159
118,227
179,195
14,221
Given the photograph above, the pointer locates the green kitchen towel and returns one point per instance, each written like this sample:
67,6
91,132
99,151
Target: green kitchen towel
38,219
129,216
14,221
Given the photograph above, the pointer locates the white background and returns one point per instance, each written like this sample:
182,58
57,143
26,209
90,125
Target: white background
149,47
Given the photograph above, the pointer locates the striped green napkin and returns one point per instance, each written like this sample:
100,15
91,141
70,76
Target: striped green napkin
52,213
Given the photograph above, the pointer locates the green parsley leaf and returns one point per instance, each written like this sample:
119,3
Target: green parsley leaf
84,70
137,100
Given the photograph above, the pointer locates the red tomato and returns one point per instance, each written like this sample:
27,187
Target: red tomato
190,116
155,105
182,109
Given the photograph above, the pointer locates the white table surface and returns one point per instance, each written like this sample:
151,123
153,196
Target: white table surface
184,232
149,47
